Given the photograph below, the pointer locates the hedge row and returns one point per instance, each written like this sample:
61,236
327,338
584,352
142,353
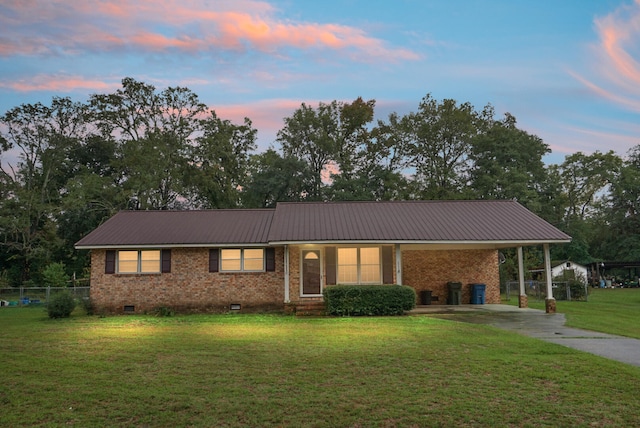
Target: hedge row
359,300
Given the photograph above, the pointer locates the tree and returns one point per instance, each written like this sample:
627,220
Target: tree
622,240
129,113
218,162
273,178
153,168
439,141
507,163
43,136
378,165
584,176
329,134
54,275
154,132
582,184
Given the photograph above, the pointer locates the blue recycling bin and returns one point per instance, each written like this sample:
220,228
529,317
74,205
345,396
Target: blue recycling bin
478,294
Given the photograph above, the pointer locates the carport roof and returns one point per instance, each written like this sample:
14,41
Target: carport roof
411,222
499,223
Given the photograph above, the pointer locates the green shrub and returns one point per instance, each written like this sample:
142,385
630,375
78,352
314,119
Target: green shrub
54,275
359,300
576,284
87,305
61,305
163,311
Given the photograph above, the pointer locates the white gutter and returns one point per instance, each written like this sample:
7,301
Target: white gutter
160,246
502,243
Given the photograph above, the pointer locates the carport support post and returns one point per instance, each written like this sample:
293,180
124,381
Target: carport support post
549,302
287,298
523,301
398,265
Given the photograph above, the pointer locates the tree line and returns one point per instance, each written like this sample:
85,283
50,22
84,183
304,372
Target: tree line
139,148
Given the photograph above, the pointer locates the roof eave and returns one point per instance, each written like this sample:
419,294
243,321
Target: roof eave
501,243
493,244
165,246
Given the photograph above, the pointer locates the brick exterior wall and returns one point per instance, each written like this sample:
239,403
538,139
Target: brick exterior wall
431,270
189,287
428,270
295,278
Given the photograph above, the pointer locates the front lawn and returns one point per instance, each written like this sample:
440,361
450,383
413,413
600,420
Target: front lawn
256,370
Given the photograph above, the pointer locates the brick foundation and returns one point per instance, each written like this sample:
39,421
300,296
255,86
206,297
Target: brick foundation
523,301
550,306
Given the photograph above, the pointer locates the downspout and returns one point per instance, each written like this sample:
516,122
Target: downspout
550,301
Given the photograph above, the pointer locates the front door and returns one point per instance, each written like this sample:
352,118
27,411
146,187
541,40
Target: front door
311,272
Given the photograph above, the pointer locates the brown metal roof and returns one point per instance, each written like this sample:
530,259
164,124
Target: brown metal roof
411,221
502,222
181,228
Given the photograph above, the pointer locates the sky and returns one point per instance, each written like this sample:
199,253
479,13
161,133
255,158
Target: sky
568,70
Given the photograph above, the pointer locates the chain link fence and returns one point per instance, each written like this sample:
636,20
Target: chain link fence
538,290
23,296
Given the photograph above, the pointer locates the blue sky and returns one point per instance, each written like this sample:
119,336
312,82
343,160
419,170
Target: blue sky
568,70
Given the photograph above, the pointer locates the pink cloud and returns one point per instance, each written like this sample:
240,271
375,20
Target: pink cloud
612,95
188,26
564,139
58,84
266,115
618,32
615,73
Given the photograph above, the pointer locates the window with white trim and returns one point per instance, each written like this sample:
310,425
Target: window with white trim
359,265
138,261
242,260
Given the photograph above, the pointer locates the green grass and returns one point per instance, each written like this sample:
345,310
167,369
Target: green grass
258,370
608,310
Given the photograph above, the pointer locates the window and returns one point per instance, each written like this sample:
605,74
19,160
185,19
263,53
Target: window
359,265
245,260
231,260
253,259
139,261
370,265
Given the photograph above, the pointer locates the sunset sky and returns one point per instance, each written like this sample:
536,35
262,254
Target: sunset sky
568,70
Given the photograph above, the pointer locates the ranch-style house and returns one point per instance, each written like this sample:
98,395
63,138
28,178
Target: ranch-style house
281,258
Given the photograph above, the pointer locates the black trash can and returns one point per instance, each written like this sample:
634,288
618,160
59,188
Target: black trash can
455,293
425,297
478,294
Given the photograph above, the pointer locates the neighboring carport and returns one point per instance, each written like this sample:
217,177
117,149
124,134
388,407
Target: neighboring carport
602,269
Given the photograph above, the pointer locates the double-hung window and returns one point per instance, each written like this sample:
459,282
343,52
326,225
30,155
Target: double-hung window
359,265
139,261
242,260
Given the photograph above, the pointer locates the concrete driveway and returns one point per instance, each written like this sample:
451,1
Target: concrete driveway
540,325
